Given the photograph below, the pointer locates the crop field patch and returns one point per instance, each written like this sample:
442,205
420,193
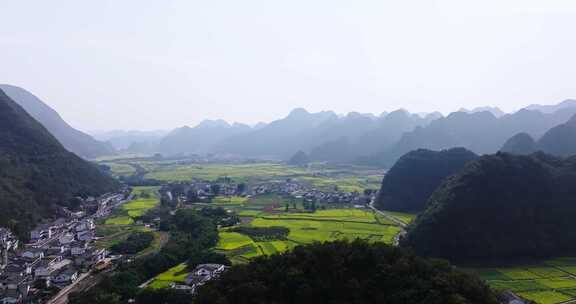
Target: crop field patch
545,297
548,282
120,220
304,228
232,240
146,198
517,286
178,273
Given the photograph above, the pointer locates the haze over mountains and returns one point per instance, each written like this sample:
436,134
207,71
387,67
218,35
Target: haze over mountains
36,172
75,141
361,138
356,138
558,141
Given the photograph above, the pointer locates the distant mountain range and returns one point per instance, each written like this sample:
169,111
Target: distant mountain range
480,132
357,138
363,138
569,103
36,172
122,140
559,141
325,136
73,140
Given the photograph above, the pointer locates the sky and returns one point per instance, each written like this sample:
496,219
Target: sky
161,64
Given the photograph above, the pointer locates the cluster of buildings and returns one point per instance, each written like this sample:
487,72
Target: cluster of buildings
201,274
287,187
57,254
339,197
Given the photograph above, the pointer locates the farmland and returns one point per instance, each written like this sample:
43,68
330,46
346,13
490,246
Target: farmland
145,198
177,273
548,282
344,178
121,223
304,227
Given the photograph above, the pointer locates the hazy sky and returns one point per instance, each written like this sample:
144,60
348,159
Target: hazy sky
162,64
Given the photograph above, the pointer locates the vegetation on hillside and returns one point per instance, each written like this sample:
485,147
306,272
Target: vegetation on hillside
37,173
135,243
411,181
192,235
345,272
501,206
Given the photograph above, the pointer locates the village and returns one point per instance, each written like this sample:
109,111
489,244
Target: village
57,255
205,192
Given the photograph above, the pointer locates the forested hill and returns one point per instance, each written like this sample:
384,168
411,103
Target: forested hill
341,272
410,182
499,207
36,172
73,140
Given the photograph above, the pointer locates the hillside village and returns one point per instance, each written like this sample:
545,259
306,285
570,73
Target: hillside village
58,253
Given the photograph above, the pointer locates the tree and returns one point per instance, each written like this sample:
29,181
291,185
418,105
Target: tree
299,159
215,188
241,188
366,273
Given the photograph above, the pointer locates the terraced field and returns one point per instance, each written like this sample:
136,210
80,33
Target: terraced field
175,274
305,227
550,282
145,198
121,223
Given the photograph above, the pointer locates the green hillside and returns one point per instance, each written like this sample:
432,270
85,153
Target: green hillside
501,206
36,172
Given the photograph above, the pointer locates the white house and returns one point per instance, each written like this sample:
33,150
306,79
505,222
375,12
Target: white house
33,253
68,275
78,248
66,239
85,236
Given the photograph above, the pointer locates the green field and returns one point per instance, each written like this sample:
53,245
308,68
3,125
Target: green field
120,169
121,223
240,173
112,234
178,273
145,198
549,282
327,178
305,227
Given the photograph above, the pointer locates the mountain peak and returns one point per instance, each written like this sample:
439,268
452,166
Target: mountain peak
298,112
217,123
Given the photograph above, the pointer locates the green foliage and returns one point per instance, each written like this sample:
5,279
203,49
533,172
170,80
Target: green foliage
135,243
299,159
36,172
192,237
501,206
343,272
410,182
262,234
